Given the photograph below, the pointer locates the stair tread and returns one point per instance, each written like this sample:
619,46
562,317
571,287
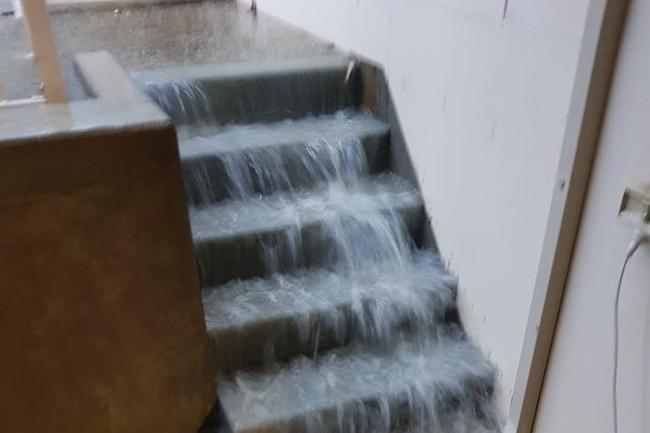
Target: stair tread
239,304
277,212
254,91
447,370
200,142
313,310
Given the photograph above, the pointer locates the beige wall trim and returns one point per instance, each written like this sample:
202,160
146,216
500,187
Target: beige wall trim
596,62
46,56
18,102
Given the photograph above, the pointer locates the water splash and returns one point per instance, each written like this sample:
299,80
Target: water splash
342,228
186,102
238,162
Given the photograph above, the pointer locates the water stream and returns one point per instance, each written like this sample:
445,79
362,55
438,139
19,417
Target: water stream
312,179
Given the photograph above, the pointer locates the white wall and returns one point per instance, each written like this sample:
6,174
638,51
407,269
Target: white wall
483,101
577,391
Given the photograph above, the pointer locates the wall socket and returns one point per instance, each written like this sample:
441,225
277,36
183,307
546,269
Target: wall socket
635,208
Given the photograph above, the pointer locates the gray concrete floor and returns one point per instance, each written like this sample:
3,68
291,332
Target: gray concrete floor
145,37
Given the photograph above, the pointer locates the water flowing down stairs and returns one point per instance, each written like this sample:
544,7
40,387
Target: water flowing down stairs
326,310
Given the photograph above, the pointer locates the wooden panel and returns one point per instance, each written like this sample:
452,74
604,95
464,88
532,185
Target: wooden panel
101,321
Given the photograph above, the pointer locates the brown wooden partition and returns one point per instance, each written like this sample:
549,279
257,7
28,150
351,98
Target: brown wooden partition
101,323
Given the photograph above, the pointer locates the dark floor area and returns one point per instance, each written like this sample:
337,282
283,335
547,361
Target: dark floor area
148,36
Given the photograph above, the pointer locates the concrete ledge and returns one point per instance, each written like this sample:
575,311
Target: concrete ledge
119,106
36,121
103,78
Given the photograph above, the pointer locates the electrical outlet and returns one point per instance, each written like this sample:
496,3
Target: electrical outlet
635,208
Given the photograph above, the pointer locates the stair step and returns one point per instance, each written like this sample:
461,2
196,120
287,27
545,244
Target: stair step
262,320
429,383
254,91
244,160
257,237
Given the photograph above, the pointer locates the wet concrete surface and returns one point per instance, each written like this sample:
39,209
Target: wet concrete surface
5,6
149,36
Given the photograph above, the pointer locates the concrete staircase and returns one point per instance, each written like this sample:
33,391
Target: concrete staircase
326,310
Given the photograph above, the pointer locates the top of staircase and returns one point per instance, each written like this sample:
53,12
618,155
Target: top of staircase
152,36
254,91
248,69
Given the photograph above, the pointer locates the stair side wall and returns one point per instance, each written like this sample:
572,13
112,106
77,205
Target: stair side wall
375,96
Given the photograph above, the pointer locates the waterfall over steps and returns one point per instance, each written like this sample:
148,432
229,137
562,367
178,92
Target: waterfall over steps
326,311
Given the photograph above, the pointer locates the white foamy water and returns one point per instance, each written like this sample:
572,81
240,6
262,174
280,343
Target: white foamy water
341,227
372,304
340,288
185,101
244,161
440,385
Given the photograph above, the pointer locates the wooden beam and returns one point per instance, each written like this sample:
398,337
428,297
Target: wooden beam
46,56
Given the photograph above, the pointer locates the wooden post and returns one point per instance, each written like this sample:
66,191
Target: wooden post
2,93
46,57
